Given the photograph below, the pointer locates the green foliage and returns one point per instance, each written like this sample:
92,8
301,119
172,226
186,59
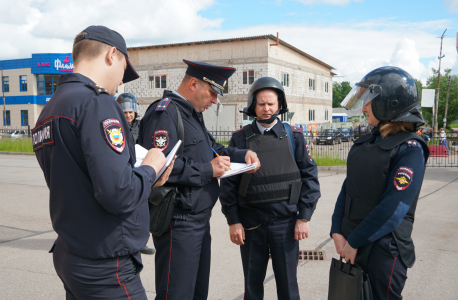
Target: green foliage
329,160
339,92
16,145
453,126
452,112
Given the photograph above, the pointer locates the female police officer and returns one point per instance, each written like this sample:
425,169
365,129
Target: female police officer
374,213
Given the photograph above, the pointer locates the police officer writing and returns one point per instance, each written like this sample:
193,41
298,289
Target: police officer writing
270,210
129,105
98,200
374,214
183,254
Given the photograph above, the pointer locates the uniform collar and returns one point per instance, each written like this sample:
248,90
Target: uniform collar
277,128
75,77
185,105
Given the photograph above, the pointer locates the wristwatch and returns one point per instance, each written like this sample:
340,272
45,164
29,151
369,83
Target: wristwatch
305,220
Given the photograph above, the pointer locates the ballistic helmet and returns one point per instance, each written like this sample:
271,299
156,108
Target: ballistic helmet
393,93
261,84
128,102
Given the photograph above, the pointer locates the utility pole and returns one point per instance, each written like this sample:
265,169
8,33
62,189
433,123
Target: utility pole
438,86
446,103
4,107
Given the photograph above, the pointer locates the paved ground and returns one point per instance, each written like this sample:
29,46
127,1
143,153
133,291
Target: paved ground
26,235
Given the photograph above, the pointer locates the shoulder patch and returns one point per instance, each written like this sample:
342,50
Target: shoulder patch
413,143
163,104
297,129
161,139
234,132
403,178
308,152
114,135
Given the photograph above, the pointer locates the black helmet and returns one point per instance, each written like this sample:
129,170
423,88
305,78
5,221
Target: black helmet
128,102
393,93
261,84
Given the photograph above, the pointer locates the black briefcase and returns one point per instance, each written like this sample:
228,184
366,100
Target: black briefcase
161,204
348,282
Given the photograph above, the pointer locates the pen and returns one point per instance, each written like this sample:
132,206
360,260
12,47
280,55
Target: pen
218,155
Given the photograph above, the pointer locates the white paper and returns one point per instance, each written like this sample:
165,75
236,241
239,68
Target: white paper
238,168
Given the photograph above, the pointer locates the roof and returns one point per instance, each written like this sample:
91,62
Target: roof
258,37
349,113
339,115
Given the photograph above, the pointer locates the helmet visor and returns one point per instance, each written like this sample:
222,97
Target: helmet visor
361,94
129,106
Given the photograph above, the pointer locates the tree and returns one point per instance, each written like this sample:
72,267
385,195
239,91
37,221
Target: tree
452,113
339,92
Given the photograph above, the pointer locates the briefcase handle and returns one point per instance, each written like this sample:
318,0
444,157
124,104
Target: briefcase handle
342,263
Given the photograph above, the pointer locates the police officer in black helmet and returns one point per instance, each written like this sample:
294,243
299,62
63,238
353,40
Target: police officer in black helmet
129,105
270,210
374,214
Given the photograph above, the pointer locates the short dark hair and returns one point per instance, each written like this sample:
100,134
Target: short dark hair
87,48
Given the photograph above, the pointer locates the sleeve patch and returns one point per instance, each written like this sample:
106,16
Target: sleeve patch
42,135
403,178
234,132
114,135
163,104
161,139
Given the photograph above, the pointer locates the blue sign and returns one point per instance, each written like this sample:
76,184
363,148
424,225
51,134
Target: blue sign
52,63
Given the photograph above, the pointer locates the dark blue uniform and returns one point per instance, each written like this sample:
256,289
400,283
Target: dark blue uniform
98,200
387,270
271,226
183,254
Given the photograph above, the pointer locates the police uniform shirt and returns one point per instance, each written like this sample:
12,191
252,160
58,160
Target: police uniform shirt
232,203
98,200
263,129
192,172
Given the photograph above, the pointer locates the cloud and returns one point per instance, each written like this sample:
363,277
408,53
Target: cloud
405,56
451,5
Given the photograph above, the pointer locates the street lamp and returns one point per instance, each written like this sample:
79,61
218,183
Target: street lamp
4,107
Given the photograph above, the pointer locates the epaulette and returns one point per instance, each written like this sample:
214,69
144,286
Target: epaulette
234,132
163,104
412,143
297,129
97,89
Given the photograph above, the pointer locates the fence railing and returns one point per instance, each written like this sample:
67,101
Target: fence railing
24,130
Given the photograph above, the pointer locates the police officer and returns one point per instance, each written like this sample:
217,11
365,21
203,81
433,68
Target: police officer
98,200
129,105
269,211
183,254
374,214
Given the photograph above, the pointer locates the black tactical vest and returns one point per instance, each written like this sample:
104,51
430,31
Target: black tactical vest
279,178
367,171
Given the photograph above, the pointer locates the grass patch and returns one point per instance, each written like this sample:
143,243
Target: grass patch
328,160
16,145
453,126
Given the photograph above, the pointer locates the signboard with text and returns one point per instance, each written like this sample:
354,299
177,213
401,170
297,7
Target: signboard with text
52,63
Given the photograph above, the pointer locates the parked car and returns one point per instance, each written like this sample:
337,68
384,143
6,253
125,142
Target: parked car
329,136
347,133
15,134
357,134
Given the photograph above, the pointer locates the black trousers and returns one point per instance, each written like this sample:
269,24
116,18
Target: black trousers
284,250
109,278
386,270
183,261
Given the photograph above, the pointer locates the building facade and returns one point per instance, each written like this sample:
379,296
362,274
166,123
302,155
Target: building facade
307,81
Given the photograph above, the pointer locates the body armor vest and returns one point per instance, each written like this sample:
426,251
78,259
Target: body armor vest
279,178
367,170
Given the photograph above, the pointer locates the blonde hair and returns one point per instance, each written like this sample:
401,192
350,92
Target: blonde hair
387,128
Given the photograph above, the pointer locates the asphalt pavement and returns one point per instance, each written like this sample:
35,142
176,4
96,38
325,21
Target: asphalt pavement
26,235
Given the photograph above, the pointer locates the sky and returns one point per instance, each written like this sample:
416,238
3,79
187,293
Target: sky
353,36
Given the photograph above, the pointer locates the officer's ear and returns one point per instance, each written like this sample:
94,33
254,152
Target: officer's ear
110,55
194,84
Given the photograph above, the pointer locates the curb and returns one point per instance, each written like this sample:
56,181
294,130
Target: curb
333,168
17,153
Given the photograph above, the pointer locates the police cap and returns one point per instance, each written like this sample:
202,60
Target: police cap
114,39
216,76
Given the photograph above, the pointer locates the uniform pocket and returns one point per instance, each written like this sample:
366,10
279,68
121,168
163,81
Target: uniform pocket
192,138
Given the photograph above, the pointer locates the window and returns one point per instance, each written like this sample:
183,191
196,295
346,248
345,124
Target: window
8,118
226,87
158,82
6,84
326,114
248,77
24,118
311,115
326,88
23,83
311,84
247,118
284,79
47,84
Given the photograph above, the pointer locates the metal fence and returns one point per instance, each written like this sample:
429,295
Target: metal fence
444,152
23,130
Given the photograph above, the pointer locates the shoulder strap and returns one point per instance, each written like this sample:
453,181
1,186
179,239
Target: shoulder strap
289,132
180,129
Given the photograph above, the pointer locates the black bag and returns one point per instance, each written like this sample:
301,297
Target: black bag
348,282
162,198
